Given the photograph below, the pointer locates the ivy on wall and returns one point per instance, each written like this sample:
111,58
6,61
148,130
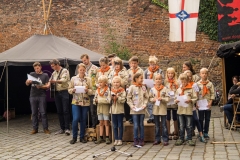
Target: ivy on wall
208,22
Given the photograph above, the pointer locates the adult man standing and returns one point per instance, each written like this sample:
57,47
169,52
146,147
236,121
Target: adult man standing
60,78
38,97
91,72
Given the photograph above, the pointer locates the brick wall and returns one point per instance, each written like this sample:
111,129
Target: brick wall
137,24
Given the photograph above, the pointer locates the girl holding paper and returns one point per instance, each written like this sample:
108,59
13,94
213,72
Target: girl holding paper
137,99
117,109
80,102
172,86
159,97
185,98
206,95
195,117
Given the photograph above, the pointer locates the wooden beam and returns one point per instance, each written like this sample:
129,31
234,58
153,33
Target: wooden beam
225,142
224,92
49,8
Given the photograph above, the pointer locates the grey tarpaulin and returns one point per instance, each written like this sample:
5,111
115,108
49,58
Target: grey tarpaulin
43,48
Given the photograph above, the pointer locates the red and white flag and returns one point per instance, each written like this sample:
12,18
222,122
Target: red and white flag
183,17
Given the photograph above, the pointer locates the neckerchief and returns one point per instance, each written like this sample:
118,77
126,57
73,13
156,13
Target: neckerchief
152,71
188,86
104,70
205,89
172,82
104,90
158,89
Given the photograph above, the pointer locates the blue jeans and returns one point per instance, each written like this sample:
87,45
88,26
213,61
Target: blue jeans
62,104
195,122
138,124
150,110
117,120
185,122
205,116
79,114
228,110
157,128
38,104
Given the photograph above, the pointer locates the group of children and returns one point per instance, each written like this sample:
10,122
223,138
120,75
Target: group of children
117,86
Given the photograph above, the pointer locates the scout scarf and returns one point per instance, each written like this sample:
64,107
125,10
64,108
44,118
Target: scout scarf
152,71
104,70
104,90
188,86
158,88
172,82
116,91
205,89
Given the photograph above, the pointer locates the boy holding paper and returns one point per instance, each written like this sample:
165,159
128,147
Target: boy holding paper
206,96
186,97
102,99
149,74
159,97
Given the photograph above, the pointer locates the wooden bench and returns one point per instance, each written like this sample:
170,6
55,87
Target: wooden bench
149,132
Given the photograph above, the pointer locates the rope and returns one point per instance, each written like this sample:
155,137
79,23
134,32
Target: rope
3,71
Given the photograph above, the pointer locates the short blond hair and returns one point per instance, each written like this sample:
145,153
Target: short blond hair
169,70
158,74
37,64
103,78
117,78
82,65
184,77
153,59
204,69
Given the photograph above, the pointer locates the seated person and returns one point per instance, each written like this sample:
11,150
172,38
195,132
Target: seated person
228,110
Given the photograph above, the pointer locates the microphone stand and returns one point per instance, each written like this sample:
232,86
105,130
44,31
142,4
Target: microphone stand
112,149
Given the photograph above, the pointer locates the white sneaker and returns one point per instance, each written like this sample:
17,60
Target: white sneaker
59,132
116,142
67,132
119,143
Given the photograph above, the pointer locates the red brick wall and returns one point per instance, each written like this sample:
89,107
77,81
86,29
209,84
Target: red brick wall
137,24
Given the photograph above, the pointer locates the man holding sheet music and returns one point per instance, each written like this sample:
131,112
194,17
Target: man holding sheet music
60,78
39,83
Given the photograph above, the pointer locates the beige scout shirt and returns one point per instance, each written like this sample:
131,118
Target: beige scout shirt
102,102
162,108
147,73
91,72
130,74
100,74
118,108
81,99
64,77
191,94
210,95
171,96
137,97
123,74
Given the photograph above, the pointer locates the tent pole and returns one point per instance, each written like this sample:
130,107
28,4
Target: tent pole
7,97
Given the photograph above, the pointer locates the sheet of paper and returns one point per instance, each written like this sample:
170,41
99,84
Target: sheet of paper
138,109
148,82
171,101
157,103
171,93
182,100
202,104
33,79
79,89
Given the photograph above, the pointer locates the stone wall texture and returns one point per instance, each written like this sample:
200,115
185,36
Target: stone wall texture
137,24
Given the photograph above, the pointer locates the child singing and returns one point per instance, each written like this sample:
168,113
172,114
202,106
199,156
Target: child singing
158,96
172,85
195,117
206,93
187,96
117,109
102,100
150,73
137,99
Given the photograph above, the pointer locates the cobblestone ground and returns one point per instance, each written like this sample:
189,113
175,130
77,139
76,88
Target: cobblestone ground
18,144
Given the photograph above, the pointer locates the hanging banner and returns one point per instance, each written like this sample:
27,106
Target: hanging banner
183,17
228,20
